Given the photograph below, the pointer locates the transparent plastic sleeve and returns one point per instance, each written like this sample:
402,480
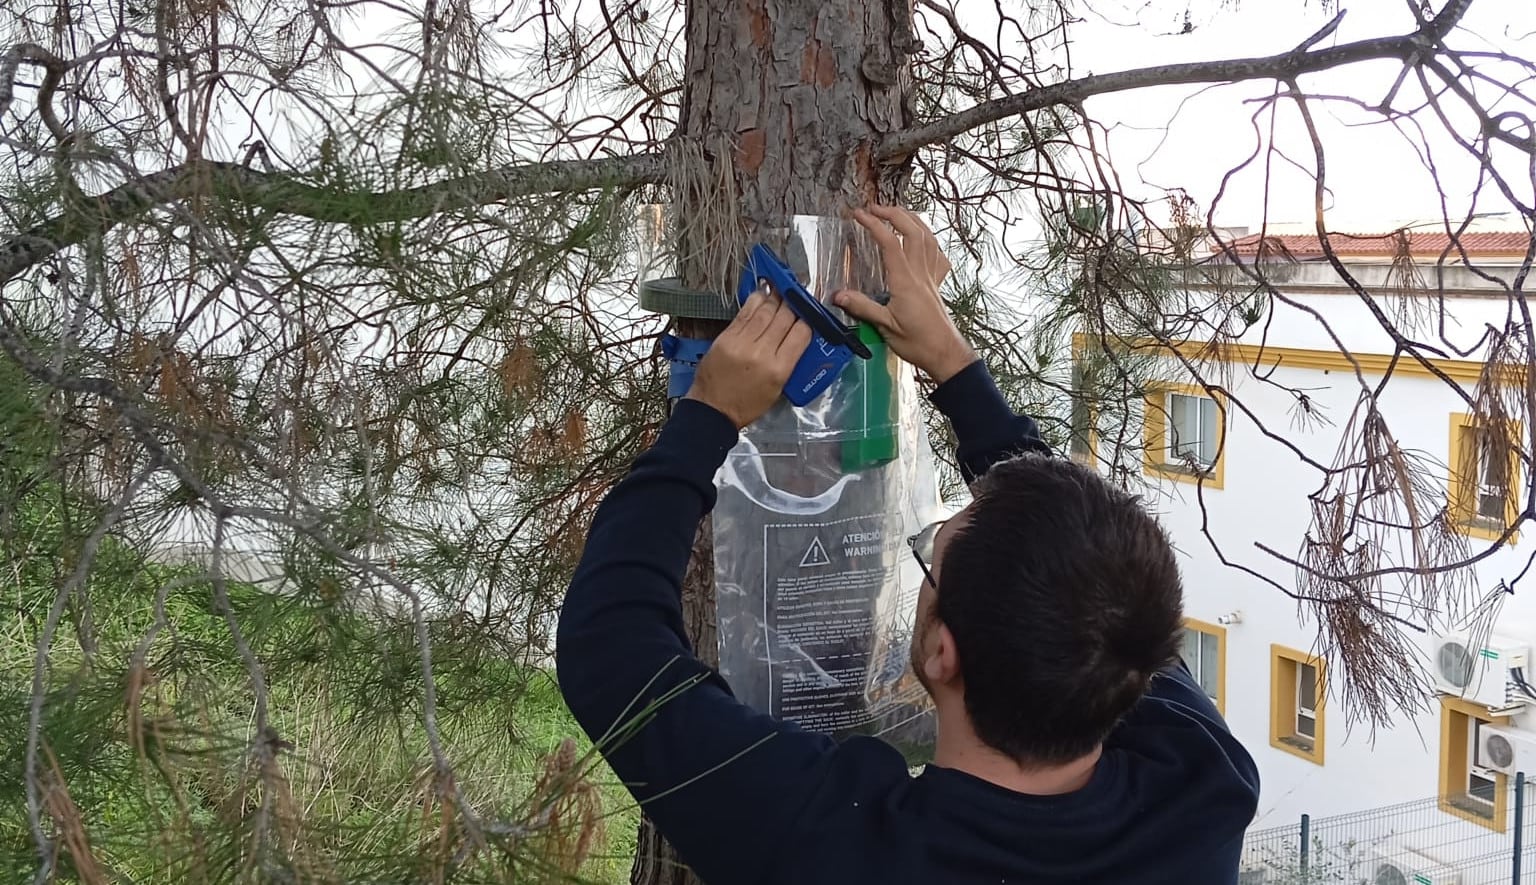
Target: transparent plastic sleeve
817,589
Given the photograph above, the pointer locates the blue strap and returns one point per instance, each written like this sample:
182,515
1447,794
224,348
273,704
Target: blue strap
684,354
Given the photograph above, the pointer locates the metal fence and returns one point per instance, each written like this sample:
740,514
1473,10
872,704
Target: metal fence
1426,842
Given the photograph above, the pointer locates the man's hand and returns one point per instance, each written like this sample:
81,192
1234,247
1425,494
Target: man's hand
744,371
915,323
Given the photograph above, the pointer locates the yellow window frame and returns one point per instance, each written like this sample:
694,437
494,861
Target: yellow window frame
1155,435
1456,717
1284,669
1465,479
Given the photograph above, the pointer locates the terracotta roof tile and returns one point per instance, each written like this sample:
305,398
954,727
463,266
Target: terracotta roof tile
1386,244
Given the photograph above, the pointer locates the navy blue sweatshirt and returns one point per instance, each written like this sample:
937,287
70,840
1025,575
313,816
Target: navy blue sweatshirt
747,798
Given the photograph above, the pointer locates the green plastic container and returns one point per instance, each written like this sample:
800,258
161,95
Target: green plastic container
872,419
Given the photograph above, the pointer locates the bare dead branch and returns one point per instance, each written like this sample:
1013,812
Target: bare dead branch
1283,66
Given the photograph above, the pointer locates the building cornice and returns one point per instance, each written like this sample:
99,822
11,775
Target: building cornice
1267,356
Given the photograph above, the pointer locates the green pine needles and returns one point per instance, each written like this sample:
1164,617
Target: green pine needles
150,768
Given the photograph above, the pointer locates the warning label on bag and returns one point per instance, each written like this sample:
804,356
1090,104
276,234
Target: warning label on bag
821,582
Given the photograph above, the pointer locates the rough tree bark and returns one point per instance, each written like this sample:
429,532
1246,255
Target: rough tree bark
803,92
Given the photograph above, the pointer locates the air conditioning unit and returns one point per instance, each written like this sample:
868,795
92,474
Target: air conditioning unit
1506,750
1395,865
1479,670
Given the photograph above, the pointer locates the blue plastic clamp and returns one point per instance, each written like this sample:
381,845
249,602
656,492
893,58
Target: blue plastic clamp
832,345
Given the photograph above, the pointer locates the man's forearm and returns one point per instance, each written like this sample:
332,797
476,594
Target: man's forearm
622,614
986,428
667,724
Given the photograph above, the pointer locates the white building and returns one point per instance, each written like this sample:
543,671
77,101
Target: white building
1239,473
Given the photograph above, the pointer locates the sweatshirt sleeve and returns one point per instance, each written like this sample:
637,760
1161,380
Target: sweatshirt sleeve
722,781
986,429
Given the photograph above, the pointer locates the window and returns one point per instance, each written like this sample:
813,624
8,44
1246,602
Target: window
1482,781
1298,694
1205,653
1306,702
1081,443
1184,433
1192,430
1469,789
1485,483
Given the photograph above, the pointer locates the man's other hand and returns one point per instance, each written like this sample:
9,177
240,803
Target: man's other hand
745,369
915,323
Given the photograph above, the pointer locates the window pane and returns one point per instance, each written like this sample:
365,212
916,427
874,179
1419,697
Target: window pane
1306,686
1492,475
1190,651
1208,418
1079,428
1487,467
1492,471
1306,726
1192,429
1210,668
1183,426
1480,787
1080,411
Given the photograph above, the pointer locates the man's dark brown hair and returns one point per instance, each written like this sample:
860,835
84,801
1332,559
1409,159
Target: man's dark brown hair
1064,598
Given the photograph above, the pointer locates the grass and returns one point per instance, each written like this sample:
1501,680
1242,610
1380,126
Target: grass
151,768
148,725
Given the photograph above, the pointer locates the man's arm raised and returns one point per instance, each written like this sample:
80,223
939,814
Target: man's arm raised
722,781
917,326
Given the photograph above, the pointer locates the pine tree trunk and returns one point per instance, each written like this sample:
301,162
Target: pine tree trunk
802,90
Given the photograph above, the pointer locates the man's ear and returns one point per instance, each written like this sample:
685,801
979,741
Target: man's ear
942,666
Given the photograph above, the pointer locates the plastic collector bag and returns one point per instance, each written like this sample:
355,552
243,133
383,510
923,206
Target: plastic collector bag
816,587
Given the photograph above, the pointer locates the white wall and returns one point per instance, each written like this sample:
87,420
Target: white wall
1264,501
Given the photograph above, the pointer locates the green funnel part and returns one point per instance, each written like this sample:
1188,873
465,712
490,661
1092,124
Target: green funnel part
870,437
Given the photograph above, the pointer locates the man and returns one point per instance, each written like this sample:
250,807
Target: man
1072,745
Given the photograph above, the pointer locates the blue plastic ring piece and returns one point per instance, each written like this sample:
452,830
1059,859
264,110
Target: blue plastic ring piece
684,355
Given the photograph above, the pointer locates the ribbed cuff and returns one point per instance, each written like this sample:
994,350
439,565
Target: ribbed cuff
697,438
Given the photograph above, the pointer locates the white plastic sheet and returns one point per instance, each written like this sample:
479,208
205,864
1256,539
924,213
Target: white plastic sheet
817,588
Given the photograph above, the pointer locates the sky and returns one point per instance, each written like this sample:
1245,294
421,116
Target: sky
1376,177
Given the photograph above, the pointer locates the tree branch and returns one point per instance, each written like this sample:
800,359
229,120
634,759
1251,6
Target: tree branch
286,194
10,63
1284,66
